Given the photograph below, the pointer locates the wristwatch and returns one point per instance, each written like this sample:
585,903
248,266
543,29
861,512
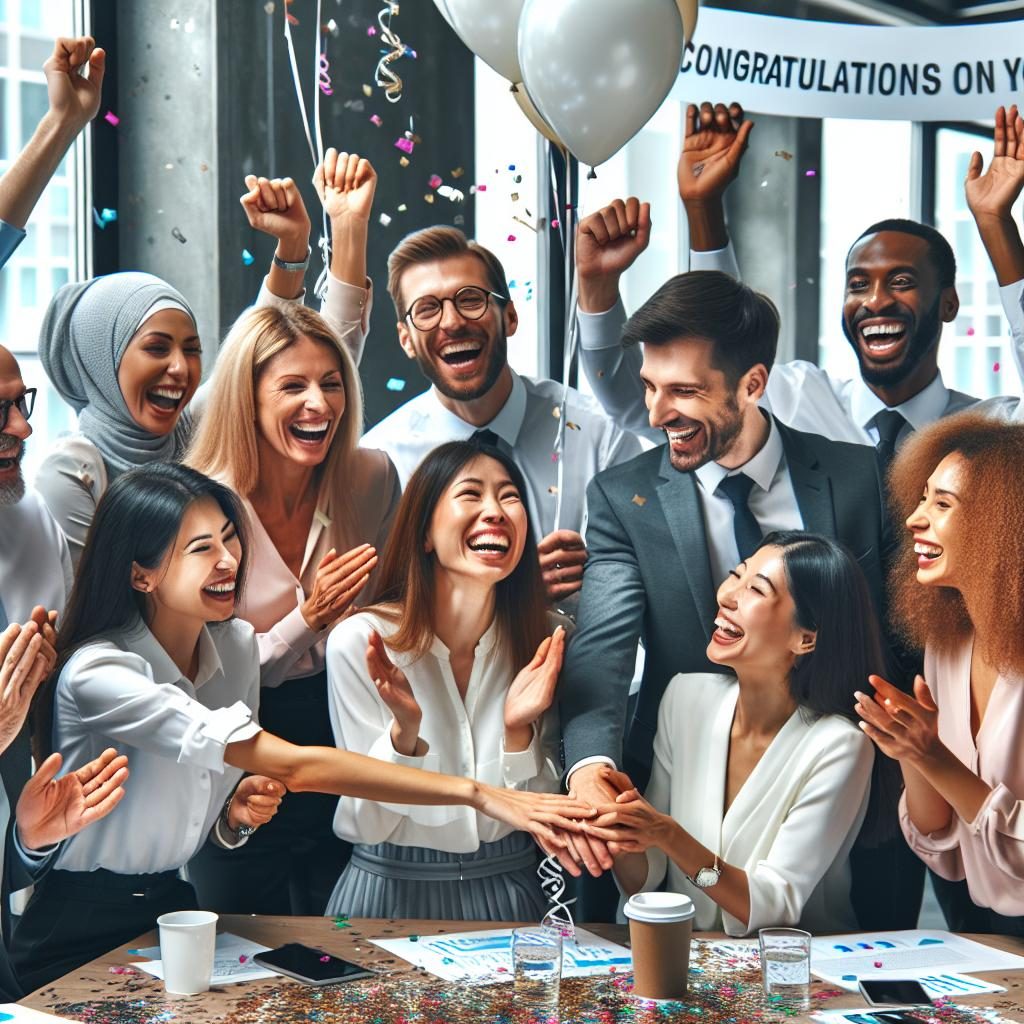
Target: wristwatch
293,268
707,877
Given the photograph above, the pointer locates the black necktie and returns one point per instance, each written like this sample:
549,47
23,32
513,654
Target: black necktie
486,437
748,534
888,423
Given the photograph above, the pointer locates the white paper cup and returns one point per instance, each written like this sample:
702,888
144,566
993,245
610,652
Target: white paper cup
187,942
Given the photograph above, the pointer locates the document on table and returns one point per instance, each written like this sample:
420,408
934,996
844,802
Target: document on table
232,961
844,959
483,958
879,1016
12,1012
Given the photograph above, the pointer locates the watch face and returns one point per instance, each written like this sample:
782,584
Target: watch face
706,877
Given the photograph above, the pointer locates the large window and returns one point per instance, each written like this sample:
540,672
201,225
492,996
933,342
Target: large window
52,253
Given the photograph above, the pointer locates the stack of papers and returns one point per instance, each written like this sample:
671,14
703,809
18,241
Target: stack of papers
232,961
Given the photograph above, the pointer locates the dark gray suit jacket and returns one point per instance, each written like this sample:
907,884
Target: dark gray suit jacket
648,576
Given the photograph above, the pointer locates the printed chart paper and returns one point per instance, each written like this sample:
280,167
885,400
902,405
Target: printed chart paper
483,958
232,961
11,1012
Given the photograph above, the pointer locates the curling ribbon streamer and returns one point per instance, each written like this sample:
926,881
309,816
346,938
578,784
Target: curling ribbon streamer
325,74
552,883
386,77
316,151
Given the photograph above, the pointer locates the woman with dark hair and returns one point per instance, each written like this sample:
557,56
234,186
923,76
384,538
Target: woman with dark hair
761,779
428,677
957,593
151,660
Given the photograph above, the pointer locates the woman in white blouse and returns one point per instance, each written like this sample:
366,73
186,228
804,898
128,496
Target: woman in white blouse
761,778
281,428
428,678
957,589
150,660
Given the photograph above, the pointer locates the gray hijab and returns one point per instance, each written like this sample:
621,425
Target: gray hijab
85,332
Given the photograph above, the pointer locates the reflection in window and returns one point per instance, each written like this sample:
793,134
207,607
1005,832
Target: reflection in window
865,177
975,355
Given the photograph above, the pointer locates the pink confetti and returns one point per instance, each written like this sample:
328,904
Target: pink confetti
970,332
377,119
243,958
325,959
435,181
481,188
995,367
372,30
120,970
405,145
111,118
511,238
554,222
878,963
811,173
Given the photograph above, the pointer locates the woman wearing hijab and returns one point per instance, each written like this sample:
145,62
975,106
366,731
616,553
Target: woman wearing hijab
124,352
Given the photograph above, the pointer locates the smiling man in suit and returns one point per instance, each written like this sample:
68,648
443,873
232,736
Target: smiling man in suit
665,528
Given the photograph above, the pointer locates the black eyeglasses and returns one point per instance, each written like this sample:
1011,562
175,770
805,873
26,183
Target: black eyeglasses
25,403
469,302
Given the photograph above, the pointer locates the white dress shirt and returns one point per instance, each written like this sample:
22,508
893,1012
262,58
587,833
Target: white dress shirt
772,501
801,394
790,827
35,565
527,423
124,691
463,737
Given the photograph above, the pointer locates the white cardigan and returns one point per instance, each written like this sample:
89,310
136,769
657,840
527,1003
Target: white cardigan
790,827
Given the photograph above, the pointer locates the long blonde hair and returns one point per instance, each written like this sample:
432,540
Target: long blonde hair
224,445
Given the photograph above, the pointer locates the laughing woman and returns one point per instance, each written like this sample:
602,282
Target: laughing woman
151,660
428,678
958,594
280,427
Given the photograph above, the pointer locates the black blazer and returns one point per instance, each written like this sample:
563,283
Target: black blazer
648,576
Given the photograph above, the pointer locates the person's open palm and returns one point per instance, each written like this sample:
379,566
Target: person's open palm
994,191
26,659
715,140
533,690
392,685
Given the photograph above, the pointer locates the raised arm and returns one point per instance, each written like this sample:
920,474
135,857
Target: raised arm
74,100
275,207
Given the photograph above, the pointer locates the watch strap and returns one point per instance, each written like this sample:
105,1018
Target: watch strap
293,268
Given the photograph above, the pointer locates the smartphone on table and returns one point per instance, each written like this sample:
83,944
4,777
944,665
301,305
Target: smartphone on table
894,992
310,966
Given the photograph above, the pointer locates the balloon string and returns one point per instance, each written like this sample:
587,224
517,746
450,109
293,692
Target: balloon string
386,77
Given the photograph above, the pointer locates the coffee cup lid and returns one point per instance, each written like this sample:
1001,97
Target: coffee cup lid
659,907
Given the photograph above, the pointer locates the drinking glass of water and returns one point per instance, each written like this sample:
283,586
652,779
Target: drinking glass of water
537,963
786,966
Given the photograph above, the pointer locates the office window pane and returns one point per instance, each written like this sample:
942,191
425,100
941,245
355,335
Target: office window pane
978,341
33,105
865,169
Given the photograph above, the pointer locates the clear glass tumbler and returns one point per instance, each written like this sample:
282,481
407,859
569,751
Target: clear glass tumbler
786,966
537,963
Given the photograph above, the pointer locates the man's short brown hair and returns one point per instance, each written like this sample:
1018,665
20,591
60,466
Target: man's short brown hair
439,243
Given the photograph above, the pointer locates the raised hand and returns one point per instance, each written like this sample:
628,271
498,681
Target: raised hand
254,802
903,727
51,809
533,690
274,206
339,578
26,659
607,244
394,689
562,557
346,184
715,139
993,192
74,99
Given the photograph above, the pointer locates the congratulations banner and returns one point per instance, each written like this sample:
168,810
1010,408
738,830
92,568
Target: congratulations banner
823,69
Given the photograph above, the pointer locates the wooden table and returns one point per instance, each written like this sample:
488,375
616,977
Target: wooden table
99,995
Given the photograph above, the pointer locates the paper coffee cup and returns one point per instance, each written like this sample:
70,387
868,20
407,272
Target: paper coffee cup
660,924
188,939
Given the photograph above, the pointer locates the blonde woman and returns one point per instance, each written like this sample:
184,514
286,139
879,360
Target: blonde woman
281,427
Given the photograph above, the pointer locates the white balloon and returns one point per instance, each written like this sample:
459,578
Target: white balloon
490,29
597,70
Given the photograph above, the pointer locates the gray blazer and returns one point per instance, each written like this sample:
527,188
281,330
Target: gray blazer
648,576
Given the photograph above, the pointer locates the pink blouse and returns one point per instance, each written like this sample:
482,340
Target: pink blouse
289,649
988,851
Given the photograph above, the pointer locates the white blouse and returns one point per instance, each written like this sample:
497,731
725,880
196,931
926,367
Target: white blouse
790,827
124,691
464,738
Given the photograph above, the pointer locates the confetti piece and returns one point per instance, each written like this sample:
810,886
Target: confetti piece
324,76
103,217
405,145
176,233
434,181
175,24
556,412
571,425
269,7
970,332
878,963
639,501
111,118
554,456
849,977
784,154
481,188
459,219
371,31
515,197
119,970
402,208
429,198
453,195
518,179
525,223
384,219
367,90
332,27
403,161
243,958
552,489
810,173
511,238
511,167
554,222
378,121
764,184
190,25
395,384
325,959
414,938
247,258
458,172
995,367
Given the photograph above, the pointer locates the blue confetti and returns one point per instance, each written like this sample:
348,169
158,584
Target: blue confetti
103,217
395,384
247,258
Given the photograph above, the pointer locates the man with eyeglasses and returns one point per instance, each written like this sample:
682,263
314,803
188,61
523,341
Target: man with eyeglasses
454,319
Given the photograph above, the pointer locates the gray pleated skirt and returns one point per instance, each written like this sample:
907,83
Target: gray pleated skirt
498,883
